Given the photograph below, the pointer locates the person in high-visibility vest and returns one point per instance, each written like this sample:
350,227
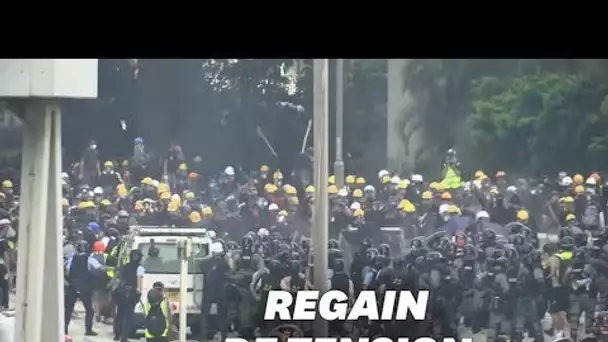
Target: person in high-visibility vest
158,315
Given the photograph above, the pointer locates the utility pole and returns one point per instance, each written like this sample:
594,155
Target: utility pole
339,162
40,84
320,228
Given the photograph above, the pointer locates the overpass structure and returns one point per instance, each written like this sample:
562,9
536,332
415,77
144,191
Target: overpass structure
32,88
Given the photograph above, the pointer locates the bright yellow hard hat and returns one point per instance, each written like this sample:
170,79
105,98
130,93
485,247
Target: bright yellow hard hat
427,195
277,175
108,164
207,212
283,213
195,217
294,200
479,174
446,196
357,193
568,199
146,181
570,217
172,207
579,189
403,184
182,167
350,179
290,189
578,179
523,215
360,180
264,169
310,189
332,189
331,179
105,203
7,184
358,213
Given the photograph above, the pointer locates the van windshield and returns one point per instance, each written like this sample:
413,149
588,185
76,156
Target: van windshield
163,257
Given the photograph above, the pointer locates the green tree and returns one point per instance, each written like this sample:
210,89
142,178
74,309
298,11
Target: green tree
539,123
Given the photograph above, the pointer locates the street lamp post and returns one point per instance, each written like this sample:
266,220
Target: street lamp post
339,162
320,229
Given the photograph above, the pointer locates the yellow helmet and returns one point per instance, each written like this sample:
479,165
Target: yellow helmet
283,213
272,189
360,181
386,179
207,212
578,179
358,213
172,207
89,204
568,199
190,195
176,198
570,217
165,196
357,193
195,217
479,174
427,195
350,179
163,187
523,215
403,203
440,187
310,189
409,207
146,181
332,179
579,189
65,202
182,167
290,189
403,184
433,185
7,184
105,203
264,169
277,175
121,190
332,189
446,196
108,164
294,200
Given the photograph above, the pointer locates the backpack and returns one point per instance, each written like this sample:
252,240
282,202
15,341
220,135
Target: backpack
591,217
156,322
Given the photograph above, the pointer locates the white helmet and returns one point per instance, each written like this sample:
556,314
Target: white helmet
566,181
229,171
417,178
483,214
511,188
395,180
65,176
591,181
217,248
273,206
211,234
443,208
263,232
155,183
343,192
383,173
355,206
369,188
98,191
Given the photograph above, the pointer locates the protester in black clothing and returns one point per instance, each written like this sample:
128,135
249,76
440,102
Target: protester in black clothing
89,164
127,295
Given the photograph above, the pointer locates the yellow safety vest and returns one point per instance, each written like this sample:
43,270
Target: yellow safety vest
164,306
565,257
110,272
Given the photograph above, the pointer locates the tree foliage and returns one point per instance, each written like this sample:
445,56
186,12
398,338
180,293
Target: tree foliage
539,122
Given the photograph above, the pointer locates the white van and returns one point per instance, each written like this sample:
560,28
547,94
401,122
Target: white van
164,266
